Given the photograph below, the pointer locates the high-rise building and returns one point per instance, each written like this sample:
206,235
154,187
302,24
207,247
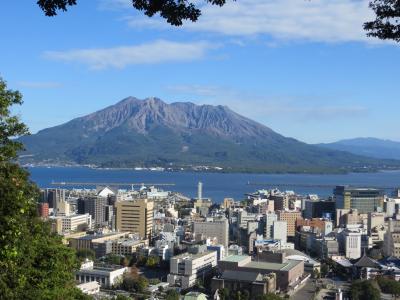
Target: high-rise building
95,206
269,218
319,209
290,217
280,231
215,228
365,200
375,220
135,216
52,196
281,202
43,210
390,207
391,244
352,244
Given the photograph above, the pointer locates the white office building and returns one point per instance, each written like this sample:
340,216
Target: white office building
280,231
186,268
106,276
352,244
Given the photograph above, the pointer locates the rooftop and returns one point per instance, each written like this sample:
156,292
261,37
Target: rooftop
235,258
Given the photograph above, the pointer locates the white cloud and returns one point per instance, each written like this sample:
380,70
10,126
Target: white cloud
114,4
315,20
262,107
160,51
39,84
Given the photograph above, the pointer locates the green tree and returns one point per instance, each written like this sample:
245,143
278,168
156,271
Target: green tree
34,263
175,12
85,253
364,289
172,295
224,294
389,286
122,297
268,296
152,261
141,284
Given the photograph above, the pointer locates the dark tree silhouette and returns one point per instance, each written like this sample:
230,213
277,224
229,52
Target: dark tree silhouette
174,11
386,26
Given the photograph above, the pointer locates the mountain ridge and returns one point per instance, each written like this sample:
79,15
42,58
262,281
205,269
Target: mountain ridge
150,132
368,146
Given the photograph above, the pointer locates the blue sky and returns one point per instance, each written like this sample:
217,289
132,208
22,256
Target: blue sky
303,68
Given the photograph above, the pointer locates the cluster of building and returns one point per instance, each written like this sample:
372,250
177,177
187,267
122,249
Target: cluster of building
271,242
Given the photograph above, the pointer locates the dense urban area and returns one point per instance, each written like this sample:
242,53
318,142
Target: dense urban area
148,243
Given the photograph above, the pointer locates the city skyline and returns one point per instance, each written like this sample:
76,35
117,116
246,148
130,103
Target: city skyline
307,72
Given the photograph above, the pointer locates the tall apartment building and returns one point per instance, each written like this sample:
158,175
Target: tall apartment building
290,217
244,217
43,209
365,200
95,206
319,209
280,231
52,196
375,220
352,244
214,228
391,243
269,219
135,216
281,202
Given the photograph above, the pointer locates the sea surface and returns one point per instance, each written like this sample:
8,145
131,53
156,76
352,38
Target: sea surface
216,186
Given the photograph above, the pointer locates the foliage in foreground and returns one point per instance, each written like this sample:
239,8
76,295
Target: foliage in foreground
365,289
34,263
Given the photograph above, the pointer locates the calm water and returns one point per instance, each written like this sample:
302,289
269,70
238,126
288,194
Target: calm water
217,185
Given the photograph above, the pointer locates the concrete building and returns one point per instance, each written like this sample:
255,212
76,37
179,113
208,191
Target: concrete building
101,244
186,268
107,277
319,209
135,216
127,246
43,210
269,219
244,217
390,207
52,196
74,222
89,288
352,244
321,226
71,223
391,244
290,217
95,206
281,202
280,231
375,220
288,272
365,200
213,228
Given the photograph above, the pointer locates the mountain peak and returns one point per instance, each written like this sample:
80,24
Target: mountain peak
136,132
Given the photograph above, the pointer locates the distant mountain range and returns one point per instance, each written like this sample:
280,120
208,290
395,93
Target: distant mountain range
371,147
150,132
